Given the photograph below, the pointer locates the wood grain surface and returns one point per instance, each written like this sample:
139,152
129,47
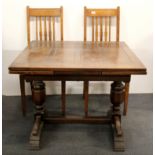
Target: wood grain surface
48,57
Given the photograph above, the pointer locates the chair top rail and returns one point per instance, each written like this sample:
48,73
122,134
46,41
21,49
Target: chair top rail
45,11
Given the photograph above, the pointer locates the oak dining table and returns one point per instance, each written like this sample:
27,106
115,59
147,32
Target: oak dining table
77,61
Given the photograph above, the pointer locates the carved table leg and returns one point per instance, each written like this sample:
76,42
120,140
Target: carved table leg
117,97
38,96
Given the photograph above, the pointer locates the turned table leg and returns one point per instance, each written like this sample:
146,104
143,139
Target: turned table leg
117,97
38,96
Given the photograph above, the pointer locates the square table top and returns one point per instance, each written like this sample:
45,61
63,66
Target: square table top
70,56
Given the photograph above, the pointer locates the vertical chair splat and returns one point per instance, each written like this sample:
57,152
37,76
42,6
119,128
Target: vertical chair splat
53,20
92,30
50,33
96,30
37,28
109,29
106,32
45,29
40,28
101,30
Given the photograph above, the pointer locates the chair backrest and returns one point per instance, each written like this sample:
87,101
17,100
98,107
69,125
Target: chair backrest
45,20
101,18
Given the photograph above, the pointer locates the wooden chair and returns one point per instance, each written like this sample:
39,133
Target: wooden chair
44,21
101,22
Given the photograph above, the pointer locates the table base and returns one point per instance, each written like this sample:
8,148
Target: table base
113,116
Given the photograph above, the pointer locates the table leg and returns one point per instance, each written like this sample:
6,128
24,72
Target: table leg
117,97
38,96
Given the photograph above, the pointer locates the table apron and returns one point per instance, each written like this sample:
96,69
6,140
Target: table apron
125,78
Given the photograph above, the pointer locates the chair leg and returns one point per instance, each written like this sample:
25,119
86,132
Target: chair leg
23,98
63,97
126,98
83,90
86,90
31,84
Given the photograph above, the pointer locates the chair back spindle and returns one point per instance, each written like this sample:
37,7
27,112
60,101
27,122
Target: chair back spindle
40,28
37,28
